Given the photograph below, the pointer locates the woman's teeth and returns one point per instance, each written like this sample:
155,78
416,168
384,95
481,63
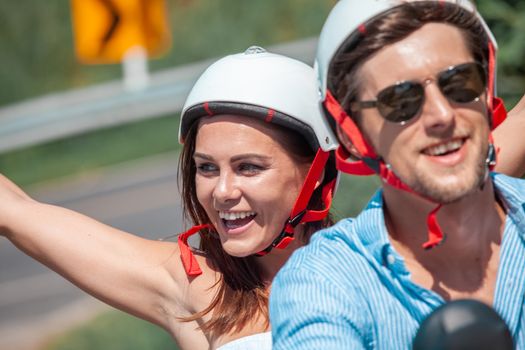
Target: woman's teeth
235,215
444,148
233,220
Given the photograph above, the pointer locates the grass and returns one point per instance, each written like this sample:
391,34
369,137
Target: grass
114,330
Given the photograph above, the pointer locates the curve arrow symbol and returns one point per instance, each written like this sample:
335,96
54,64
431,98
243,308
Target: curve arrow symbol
115,20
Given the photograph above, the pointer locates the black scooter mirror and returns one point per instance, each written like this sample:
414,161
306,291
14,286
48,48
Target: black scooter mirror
463,324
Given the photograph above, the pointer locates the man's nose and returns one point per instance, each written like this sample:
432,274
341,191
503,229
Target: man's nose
438,113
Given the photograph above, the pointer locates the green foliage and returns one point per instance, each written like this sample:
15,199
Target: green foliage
36,48
114,331
36,38
225,26
353,194
507,21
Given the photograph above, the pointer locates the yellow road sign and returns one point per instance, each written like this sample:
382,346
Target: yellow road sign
104,30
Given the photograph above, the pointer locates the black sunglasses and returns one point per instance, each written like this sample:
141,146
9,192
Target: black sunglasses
401,102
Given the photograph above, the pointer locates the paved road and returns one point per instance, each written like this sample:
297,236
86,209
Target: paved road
139,197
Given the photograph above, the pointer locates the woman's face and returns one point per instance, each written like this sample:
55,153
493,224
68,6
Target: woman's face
246,181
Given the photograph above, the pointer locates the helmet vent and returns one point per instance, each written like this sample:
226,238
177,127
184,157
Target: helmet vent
254,50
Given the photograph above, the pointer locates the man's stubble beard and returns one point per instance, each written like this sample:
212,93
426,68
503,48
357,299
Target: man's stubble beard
429,188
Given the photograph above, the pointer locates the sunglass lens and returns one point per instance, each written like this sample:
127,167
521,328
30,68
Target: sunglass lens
463,83
400,102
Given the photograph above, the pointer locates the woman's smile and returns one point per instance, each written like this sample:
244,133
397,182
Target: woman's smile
236,222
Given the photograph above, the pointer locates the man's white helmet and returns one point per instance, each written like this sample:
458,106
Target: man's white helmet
348,16
263,85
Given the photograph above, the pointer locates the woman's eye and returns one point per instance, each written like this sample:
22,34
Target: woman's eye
250,169
206,168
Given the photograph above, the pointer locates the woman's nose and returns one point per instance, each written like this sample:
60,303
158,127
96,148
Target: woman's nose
226,188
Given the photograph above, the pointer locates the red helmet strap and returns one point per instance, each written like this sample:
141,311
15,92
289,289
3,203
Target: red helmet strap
499,113
435,234
186,255
299,213
491,73
349,127
357,167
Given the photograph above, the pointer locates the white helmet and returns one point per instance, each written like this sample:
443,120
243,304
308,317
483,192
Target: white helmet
348,16
278,90
256,83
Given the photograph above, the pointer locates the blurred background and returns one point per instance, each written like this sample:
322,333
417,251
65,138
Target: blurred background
83,130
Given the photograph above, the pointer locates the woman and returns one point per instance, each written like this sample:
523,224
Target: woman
256,171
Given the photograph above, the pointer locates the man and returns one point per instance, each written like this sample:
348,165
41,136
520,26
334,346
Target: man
409,86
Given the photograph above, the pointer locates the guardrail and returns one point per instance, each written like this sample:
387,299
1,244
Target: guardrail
77,111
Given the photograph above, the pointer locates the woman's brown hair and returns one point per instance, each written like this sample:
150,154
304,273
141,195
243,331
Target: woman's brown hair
393,26
242,293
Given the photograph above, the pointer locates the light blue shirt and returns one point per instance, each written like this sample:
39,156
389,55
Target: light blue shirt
349,289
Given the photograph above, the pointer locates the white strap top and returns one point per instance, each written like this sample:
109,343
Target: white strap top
259,341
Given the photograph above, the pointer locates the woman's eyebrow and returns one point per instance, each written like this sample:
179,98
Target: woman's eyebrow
234,158
202,155
250,155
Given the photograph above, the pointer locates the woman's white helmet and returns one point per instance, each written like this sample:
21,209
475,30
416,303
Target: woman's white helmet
263,85
278,90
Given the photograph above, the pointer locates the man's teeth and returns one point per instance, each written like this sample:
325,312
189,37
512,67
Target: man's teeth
444,148
235,215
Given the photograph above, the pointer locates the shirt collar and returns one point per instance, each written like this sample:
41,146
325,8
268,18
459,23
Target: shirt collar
373,235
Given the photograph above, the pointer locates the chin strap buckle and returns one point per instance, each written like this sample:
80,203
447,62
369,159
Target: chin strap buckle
293,222
286,235
491,156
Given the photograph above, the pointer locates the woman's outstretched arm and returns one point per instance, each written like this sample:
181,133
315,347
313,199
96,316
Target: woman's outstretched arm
509,138
139,276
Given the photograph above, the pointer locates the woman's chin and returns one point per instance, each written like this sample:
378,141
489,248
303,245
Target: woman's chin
240,251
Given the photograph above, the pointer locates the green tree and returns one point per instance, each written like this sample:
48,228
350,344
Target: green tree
507,21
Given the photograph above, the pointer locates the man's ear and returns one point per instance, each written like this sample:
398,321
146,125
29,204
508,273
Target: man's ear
345,141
